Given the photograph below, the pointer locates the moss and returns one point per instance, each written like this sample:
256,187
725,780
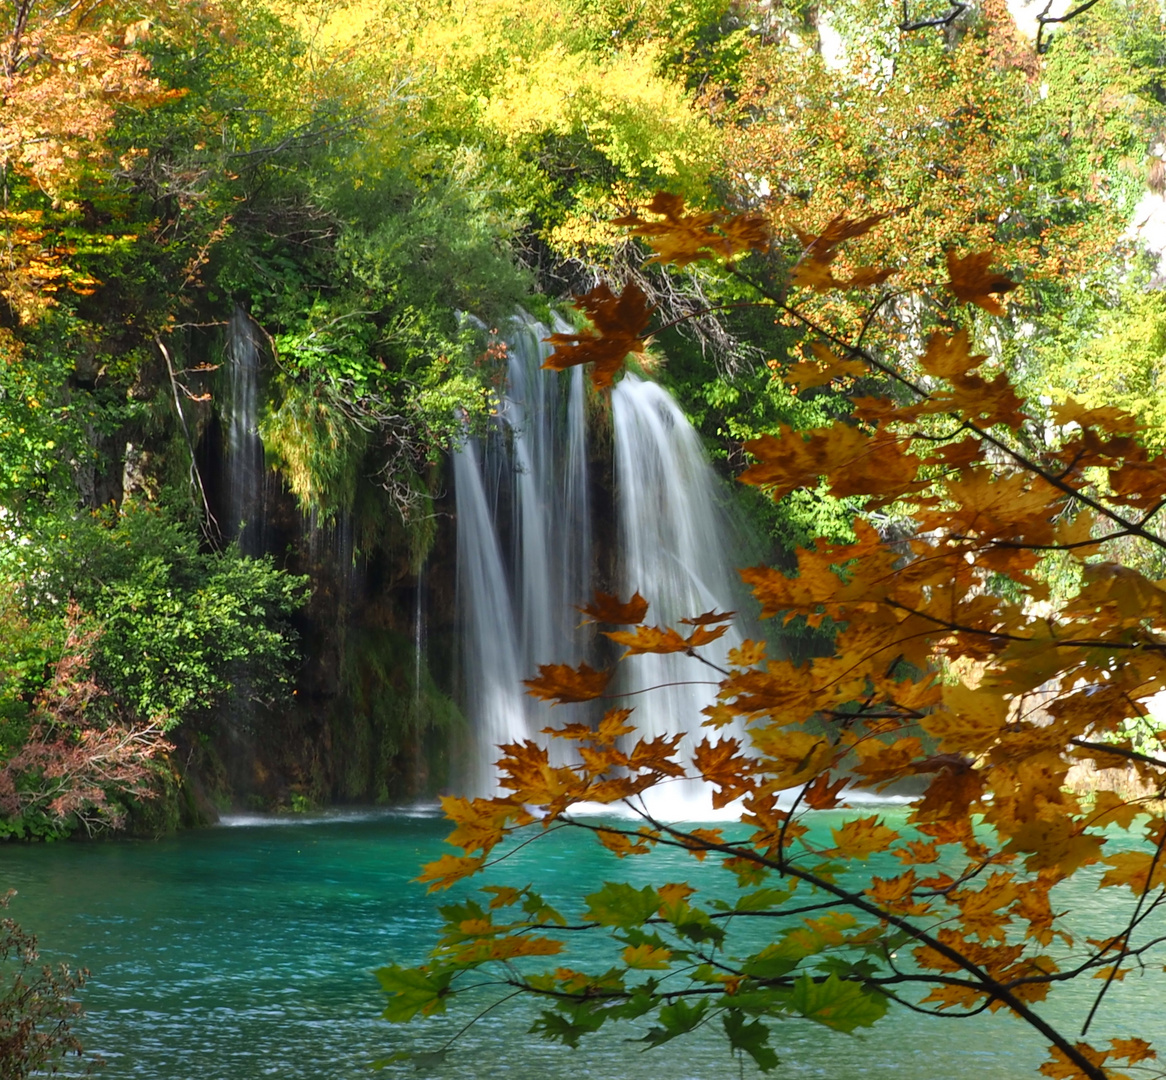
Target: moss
393,734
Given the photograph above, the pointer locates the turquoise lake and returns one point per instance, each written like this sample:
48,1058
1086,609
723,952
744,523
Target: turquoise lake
245,951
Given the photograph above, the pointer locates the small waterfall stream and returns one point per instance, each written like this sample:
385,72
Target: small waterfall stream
525,548
245,472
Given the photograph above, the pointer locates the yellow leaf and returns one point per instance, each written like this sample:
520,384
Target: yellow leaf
863,837
449,869
647,957
747,654
1133,1050
1133,868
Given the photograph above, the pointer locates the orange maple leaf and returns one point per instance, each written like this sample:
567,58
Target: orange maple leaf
618,323
682,238
1061,1068
1133,1049
649,639
973,283
623,844
702,635
722,764
561,683
708,618
449,869
806,374
822,792
821,247
1133,868
607,608
949,356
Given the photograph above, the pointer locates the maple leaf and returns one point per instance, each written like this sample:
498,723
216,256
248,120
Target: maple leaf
649,639
807,374
723,765
856,462
682,238
747,654
1132,1050
973,283
561,683
618,323
647,957
709,618
1133,868
607,608
822,792
449,869
949,356
815,273
821,246
481,824
703,635
656,755
980,908
1062,1068
614,725
863,837
622,844
1106,417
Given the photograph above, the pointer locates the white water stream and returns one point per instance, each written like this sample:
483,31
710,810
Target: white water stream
526,559
245,470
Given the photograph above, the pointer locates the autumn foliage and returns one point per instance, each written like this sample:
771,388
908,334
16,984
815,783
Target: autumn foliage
80,759
942,637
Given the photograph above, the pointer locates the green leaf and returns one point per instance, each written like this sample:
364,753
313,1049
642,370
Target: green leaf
762,899
411,992
618,904
677,1018
770,963
539,910
692,923
568,1028
750,1037
840,1005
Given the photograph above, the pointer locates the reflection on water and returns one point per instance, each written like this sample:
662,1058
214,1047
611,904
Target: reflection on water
245,952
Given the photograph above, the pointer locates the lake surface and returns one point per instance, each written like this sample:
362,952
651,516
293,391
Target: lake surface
246,951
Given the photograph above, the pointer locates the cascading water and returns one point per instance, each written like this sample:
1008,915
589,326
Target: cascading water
245,473
677,550
489,640
525,547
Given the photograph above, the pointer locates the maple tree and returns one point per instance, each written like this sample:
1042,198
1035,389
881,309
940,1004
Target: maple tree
953,663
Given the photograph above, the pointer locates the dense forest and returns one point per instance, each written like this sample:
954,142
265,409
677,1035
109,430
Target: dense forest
359,198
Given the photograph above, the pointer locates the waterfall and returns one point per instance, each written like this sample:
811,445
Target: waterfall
245,473
525,550
490,644
677,547
524,546
420,637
